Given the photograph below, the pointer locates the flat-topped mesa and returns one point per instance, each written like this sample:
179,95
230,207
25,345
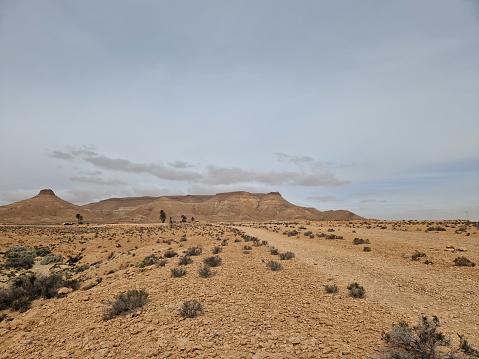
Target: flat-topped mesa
47,192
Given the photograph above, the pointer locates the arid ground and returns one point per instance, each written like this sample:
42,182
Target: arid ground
249,310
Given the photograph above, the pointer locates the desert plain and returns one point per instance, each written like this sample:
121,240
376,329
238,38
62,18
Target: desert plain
406,268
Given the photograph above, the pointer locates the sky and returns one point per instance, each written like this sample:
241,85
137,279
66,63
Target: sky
367,106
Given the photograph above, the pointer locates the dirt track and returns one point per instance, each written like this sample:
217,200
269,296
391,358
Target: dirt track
390,277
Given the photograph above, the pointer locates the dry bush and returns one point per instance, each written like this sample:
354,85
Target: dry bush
213,261
331,288
178,272
274,266
286,256
204,271
194,251
356,290
185,260
191,309
463,262
126,302
423,341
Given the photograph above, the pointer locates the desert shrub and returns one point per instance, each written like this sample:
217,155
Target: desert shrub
467,348
178,272
217,250
185,260
42,251
274,251
169,253
330,229
162,263
367,249
292,233
332,236
126,302
204,271
463,262
29,287
247,248
286,256
51,258
435,229
423,341
356,290
149,260
21,305
19,257
3,317
331,288
191,309
194,251
213,261
274,266
360,241
417,255
224,242
308,234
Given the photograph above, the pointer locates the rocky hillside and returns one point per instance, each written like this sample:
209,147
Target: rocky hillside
47,208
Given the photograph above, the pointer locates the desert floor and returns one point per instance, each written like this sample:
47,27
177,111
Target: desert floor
249,311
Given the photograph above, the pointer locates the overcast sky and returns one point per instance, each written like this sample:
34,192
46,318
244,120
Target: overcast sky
369,106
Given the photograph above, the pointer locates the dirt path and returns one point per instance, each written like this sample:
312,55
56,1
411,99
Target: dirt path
404,286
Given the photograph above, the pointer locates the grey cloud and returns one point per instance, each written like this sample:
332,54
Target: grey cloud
156,169
96,180
71,153
302,161
223,175
324,198
365,194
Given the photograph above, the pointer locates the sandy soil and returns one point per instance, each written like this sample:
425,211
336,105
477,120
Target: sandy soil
249,310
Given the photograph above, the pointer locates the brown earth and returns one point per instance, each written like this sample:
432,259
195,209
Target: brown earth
249,310
47,208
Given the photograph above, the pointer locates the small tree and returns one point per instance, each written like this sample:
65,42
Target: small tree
183,218
162,216
79,218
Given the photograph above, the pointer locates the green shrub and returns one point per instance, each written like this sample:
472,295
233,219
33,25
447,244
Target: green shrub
274,266
191,309
356,291
213,261
42,251
178,272
126,302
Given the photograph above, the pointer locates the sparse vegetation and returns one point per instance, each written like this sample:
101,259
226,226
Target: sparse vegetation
170,253
126,302
185,260
423,341
286,256
358,241
463,262
417,255
274,266
217,250
178,272
274,251
204,271
213,261
191,309
331,288
194,251
356,290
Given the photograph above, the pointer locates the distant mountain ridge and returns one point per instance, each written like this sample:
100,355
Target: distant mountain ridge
47,208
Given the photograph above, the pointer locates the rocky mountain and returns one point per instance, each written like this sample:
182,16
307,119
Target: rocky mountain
47,208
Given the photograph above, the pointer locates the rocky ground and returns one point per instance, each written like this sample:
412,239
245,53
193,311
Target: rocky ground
249,311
